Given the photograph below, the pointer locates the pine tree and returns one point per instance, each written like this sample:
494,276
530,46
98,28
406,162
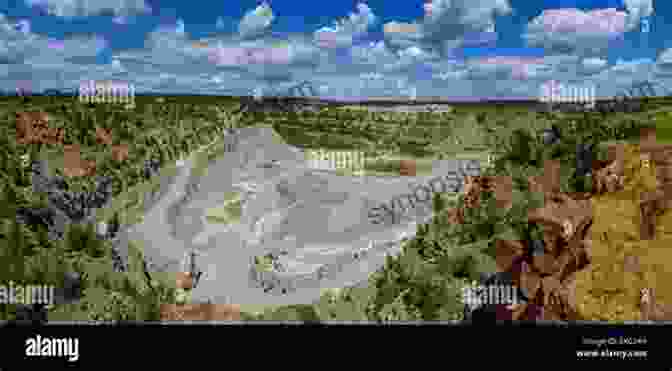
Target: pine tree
9,202
72,241
5,258
16,255
115,224
93,245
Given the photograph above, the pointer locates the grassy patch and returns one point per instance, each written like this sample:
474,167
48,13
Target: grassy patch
228,212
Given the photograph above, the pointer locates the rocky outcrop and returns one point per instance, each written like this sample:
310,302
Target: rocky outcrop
597,247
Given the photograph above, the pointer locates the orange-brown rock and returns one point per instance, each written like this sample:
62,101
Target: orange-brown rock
632,264
407,168
33,128
530,281
552,176
74,165
616,154
518,311
553,311
120,152
552,242
652,310
608,179
200,312
507,252
570,261
184,281
586,246
564,219
568,297
547,183
454,215
544,263
550,286
24,127
474,186
651,204
103,136
503,192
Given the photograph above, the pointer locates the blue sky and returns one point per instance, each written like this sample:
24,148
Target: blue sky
468,49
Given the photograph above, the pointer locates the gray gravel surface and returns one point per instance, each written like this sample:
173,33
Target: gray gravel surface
314,222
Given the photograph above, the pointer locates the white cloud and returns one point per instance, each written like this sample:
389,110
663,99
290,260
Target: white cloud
638,9
180,27
23,26
172,61
451,75
411,52
593,65
256,21
402,35
623,74
117,65
344,31
664,63
448,24
71,8
589,32
373,53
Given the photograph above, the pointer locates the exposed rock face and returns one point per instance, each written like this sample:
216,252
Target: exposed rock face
34,128
602,251
200,312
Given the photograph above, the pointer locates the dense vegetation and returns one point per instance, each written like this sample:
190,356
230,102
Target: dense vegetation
422,283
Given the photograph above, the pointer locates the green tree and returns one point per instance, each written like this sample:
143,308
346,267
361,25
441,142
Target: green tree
16,248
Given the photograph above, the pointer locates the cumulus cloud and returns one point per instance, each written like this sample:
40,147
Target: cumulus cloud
241,56
451,75
505,67
23,26
450,24
256,21
263,52
638,9
180,27
336,58
402,35
451,20
374,53
632,66
411,60
584,32
623,74
664,63
593,65
345,31
70,8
